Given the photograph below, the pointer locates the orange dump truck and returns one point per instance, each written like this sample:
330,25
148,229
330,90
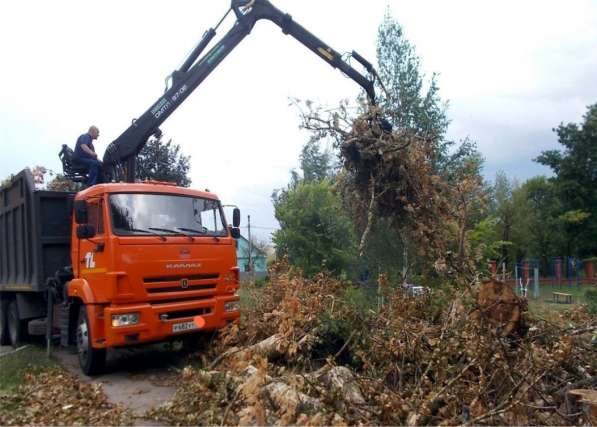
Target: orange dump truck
121,264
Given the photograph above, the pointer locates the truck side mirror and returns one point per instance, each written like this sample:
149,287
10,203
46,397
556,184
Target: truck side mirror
81,212
235,232
236,217
85,231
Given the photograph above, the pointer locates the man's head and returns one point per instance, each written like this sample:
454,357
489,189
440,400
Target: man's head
93,132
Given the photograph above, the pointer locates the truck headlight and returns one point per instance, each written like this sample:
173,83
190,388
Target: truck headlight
127,319
232,306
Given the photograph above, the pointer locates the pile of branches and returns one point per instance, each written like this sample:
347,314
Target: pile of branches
56,397
396,175
310,354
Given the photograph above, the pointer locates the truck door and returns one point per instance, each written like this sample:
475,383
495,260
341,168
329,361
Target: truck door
92,255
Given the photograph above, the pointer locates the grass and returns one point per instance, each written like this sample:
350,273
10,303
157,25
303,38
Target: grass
14,366
544,301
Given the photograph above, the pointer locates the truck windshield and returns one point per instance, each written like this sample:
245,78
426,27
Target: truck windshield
165,214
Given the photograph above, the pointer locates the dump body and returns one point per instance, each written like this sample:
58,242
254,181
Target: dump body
35,234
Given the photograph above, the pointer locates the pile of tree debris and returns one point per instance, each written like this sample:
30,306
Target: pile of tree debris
323,352
56,397
398,176
309,353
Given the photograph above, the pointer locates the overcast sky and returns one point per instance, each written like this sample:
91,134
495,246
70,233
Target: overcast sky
511,71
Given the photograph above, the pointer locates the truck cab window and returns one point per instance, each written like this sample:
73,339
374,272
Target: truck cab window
96,216
168,214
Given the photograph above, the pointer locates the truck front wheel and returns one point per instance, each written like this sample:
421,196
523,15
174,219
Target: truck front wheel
17,329
92,360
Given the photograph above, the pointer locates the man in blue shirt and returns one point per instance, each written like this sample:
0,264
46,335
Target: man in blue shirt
85,155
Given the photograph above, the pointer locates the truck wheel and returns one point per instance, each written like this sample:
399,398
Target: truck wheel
92,360
17,329
4,338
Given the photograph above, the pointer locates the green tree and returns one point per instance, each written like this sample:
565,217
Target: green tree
386,252
5,181
161,161
544,227
504,212
60,183
315,163
484,240
412,103
575,181
404,98
315,232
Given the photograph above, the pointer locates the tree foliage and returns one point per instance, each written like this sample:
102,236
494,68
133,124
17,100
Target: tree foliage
409,104
163,161
315,163
540,219
315,231
575,181
60,183
504,213
412,103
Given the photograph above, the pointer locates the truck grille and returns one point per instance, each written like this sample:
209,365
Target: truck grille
172,315
161,302
201,285
179,289
178,278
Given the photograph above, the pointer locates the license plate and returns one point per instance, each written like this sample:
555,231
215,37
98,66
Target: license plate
184,326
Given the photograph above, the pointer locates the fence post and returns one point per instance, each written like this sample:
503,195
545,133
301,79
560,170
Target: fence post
525,271
504,272
493,269
536,284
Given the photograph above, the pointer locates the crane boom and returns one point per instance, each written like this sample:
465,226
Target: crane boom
119,158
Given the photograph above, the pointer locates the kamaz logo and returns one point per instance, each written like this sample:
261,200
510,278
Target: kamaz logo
184,265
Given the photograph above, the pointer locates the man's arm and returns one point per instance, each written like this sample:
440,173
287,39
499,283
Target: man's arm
88,150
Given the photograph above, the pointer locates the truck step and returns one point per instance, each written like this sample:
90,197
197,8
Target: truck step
63,310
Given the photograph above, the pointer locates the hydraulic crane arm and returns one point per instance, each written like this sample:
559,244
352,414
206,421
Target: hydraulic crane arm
119,159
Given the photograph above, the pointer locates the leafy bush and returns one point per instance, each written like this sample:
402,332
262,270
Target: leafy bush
315,230
333,333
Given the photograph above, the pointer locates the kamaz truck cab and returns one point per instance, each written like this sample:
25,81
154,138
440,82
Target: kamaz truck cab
149,258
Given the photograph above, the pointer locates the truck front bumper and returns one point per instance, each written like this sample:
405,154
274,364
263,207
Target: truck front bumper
160,321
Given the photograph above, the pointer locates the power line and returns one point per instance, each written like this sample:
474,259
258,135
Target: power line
259,227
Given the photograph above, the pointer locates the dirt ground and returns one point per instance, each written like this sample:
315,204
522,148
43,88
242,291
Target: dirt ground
137,378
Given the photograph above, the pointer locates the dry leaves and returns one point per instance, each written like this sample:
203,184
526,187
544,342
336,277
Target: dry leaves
410,362
56,397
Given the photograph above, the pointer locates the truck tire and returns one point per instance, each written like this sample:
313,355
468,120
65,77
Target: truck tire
17,328
4,338
92,360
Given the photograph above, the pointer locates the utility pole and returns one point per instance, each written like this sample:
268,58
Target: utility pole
250,245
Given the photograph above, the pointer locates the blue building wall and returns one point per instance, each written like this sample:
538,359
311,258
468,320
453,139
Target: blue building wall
242,256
